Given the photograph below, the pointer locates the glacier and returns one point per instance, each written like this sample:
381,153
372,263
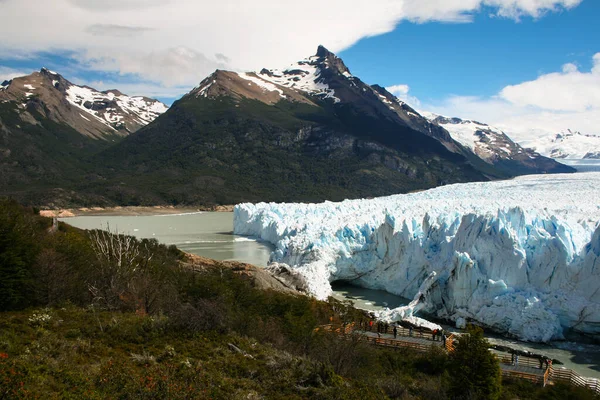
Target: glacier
521,257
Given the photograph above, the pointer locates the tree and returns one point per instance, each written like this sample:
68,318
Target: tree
474,371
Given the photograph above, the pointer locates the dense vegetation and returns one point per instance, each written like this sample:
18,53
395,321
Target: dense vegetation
96,315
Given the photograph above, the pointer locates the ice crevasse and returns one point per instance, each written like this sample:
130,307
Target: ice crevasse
520,256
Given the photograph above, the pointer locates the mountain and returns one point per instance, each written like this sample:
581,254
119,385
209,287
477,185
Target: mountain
568,144
310,132
47,95
494,147
50,129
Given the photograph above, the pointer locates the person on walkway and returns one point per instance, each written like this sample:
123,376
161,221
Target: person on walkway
370,325
444,339
433,334
395,332
516,359
410,331
385,327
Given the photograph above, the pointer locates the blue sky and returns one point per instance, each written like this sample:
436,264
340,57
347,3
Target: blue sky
479,58
526,64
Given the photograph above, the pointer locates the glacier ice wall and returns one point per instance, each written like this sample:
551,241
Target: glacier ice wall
519,256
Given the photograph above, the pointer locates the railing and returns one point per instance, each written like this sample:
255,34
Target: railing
550,375
522,361
571,377
400,331
398,343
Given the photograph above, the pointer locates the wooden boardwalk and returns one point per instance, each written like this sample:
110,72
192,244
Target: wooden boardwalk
527,367
535,375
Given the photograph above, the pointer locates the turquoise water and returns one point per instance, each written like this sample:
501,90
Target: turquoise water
209,234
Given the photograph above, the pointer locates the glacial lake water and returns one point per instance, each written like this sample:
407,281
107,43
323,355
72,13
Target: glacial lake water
210,234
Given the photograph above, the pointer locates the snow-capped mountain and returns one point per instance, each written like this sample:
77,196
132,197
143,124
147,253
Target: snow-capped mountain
325,78
314,128
322,77
494,146
567,144
46,94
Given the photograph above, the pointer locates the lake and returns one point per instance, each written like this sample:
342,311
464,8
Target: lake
210,234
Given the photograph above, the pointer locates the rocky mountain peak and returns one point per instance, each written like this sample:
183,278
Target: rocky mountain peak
330,60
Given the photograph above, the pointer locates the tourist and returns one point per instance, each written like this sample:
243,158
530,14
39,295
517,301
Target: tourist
395,331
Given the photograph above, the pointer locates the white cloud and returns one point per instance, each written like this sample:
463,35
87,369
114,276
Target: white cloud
401,92
553,102
178,42
6,74
569,90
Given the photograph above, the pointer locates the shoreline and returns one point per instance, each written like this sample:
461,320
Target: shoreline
130,211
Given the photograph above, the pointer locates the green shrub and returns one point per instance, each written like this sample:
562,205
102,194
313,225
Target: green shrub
474,372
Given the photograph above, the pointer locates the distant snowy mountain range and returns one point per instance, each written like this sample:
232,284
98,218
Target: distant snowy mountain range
567,144
47,95
488,141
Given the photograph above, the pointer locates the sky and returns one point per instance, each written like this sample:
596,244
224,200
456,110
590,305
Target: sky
527,66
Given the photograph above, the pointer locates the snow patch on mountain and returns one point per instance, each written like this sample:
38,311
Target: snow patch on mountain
566,144
486,141
519,256
305,76
141,109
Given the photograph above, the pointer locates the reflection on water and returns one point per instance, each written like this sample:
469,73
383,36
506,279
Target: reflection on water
209,234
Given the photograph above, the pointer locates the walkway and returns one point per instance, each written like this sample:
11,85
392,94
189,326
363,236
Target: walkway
527,367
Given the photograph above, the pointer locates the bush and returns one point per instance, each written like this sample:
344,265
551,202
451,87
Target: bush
474,372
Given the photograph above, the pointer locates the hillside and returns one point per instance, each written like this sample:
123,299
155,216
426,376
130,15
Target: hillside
78,322
310,132
51,128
